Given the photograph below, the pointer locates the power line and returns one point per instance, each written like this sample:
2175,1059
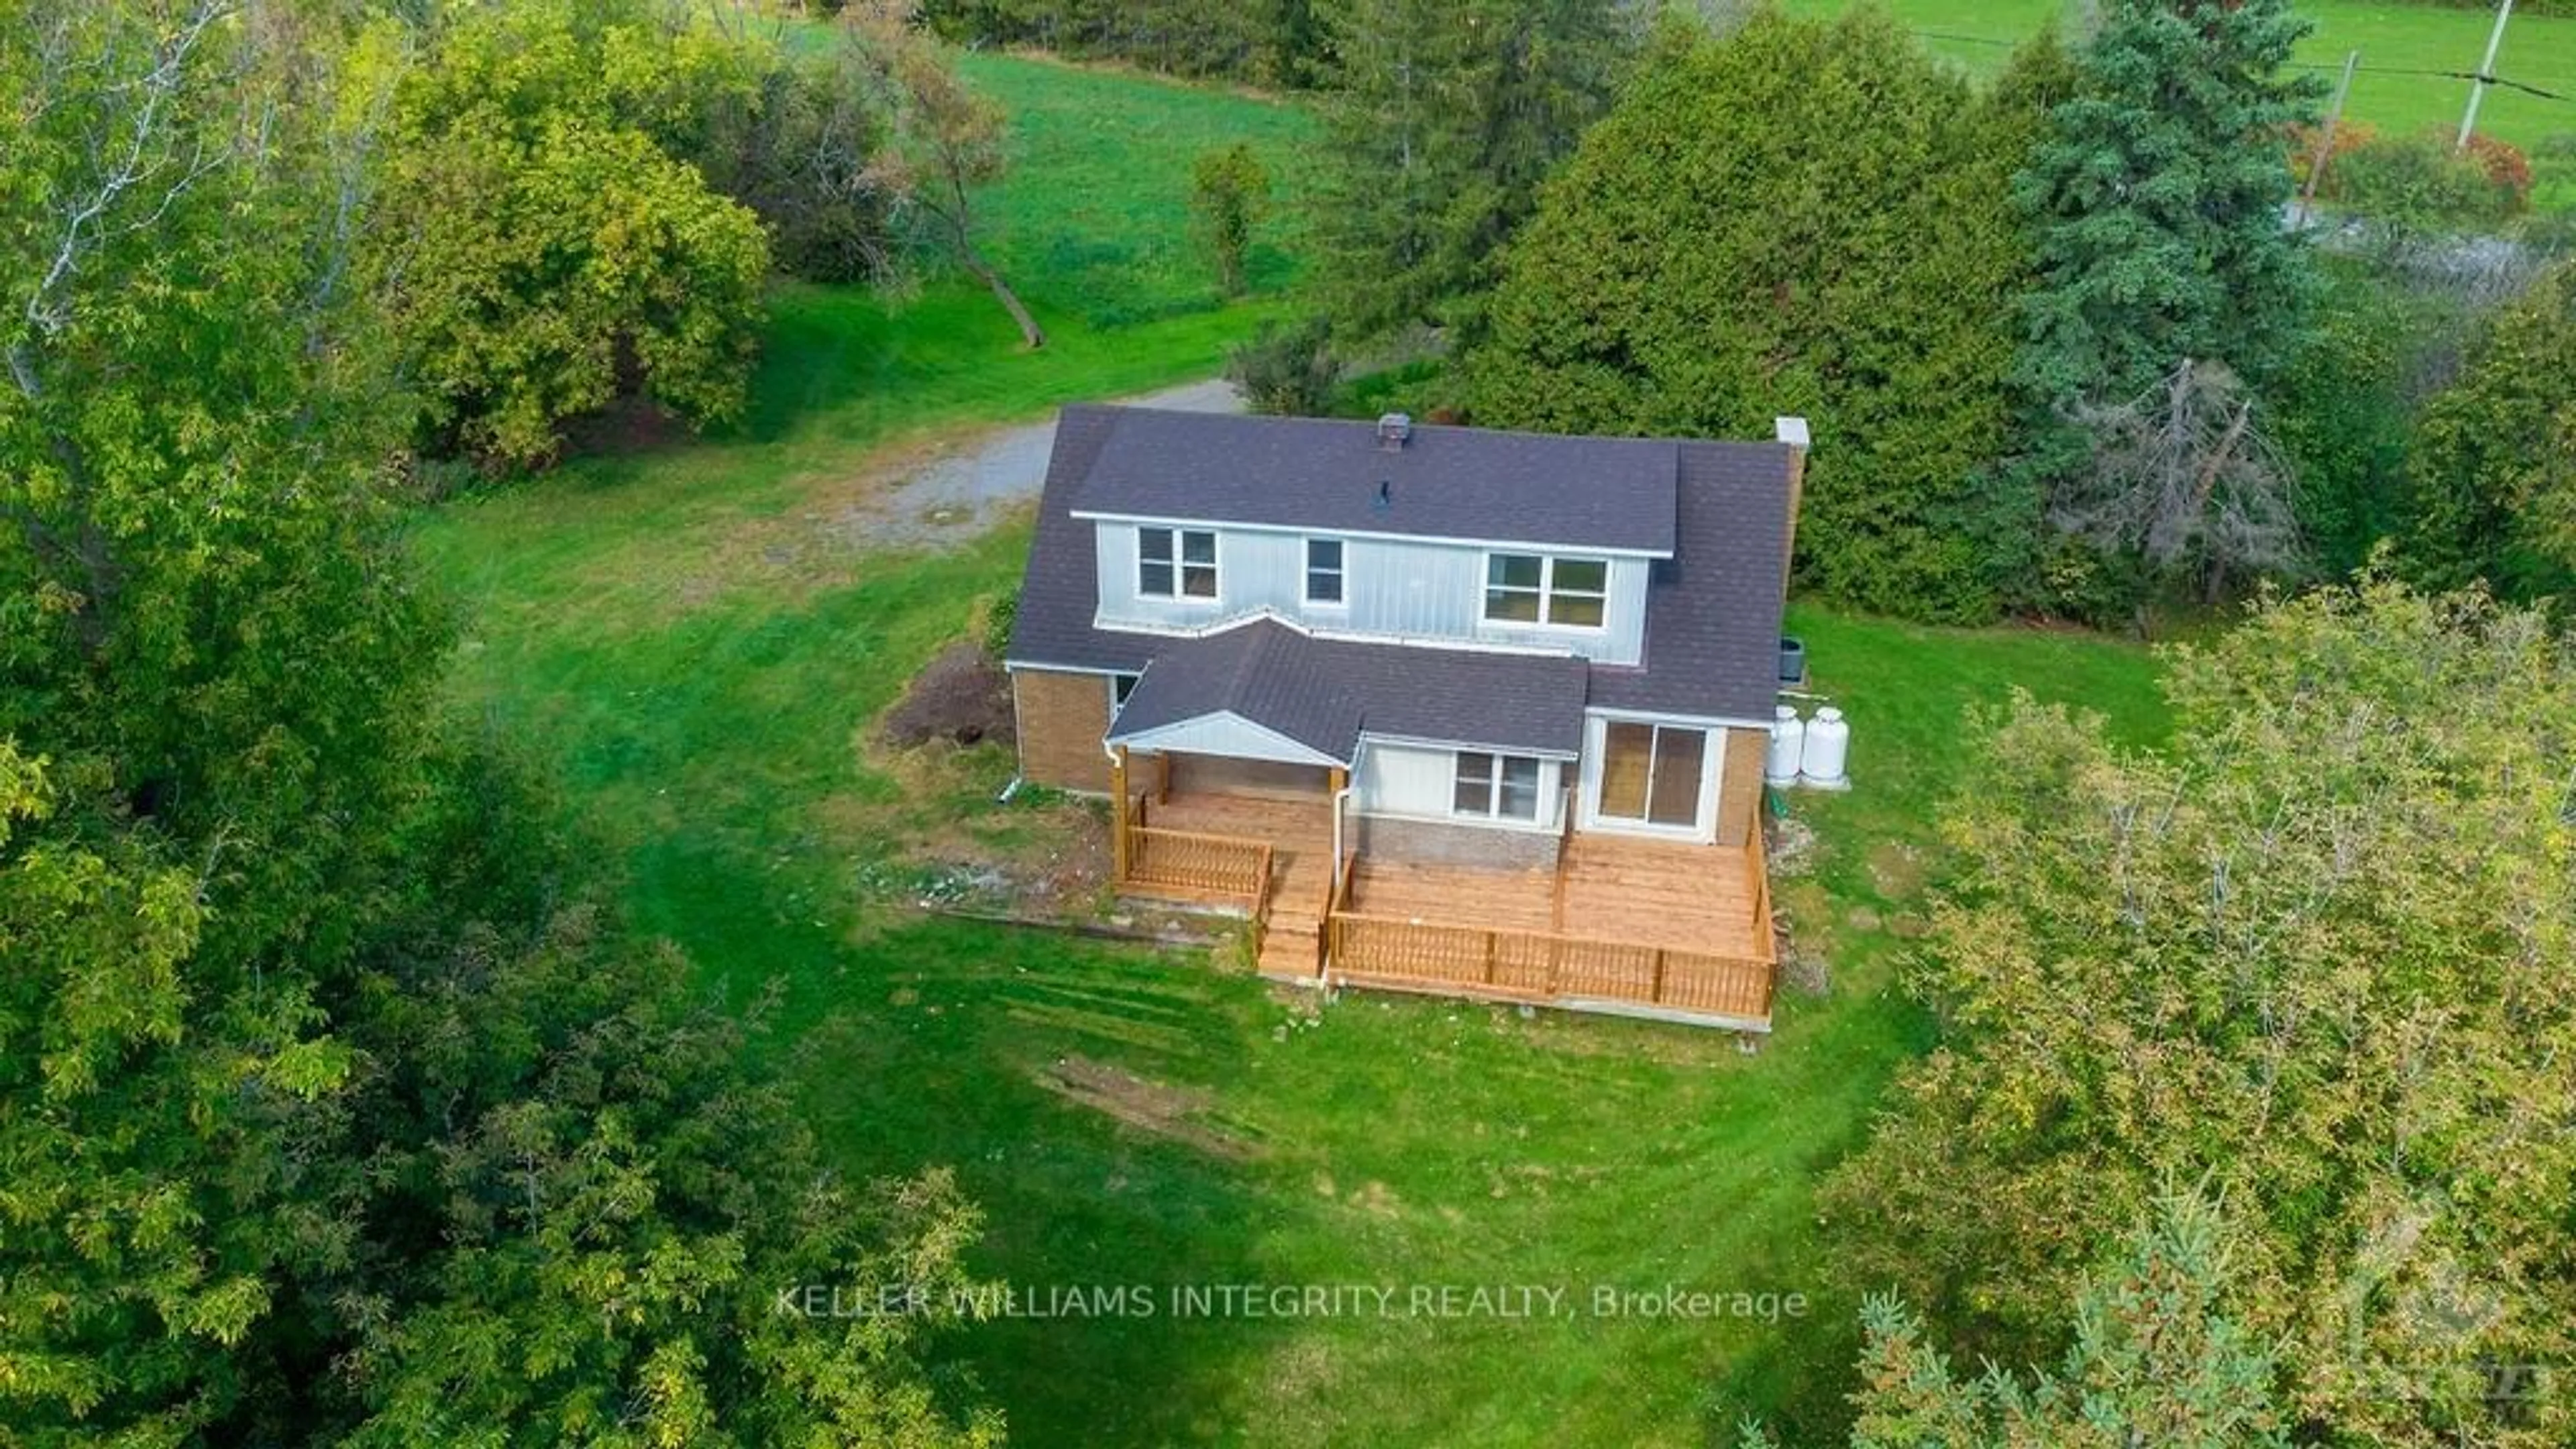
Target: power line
2411,72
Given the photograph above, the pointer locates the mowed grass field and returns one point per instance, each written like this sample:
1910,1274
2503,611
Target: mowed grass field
2393,39
686,634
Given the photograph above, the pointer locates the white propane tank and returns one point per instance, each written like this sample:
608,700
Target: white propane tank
1820,764
1788,740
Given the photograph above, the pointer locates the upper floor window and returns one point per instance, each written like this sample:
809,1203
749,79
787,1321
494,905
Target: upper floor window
1501,787
1120,686
1323,571
1176,563
1528,588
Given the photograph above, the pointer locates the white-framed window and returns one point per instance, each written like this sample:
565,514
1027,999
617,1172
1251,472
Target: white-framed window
1324,571
1495,787
1176,563
1531,588
1120,686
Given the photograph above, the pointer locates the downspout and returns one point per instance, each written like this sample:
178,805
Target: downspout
1341,800
1333,891
1117,812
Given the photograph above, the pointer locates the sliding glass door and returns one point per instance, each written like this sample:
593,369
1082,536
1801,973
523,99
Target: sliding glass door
1650,774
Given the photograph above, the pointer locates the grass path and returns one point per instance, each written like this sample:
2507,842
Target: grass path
680,634
2393,39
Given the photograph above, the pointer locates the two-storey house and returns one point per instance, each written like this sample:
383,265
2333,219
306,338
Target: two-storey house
1441,708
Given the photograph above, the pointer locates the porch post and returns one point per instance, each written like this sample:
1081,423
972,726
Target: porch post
1163,778
1118,814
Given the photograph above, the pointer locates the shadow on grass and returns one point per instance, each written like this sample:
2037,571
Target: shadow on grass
928,1045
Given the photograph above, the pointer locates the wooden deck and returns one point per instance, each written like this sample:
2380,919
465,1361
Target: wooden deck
1623,924
1696,897
1671,930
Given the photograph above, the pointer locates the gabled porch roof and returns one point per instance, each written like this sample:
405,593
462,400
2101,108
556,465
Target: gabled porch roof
1263,681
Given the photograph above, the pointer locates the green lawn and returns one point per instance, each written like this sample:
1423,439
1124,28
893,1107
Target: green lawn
2392,38
676,631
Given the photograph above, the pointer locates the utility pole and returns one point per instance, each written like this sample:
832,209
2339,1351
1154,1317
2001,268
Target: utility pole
2325,140
2486,73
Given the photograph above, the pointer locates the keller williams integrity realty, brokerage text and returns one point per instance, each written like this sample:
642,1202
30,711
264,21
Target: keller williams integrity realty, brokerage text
1293,1300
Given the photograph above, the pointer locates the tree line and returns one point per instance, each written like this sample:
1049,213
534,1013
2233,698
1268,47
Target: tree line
558,206
337,1106
2062,346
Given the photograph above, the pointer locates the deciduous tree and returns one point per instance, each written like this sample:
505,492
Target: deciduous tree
947,140
333,1107
545,254
1229,192
2312,952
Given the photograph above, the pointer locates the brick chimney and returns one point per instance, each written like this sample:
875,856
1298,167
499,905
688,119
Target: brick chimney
1793,431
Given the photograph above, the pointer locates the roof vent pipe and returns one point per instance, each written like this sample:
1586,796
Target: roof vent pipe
1394,430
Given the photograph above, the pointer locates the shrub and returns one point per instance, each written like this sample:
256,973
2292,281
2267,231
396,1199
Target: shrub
2507,169
2349,137
1287,371
2418,185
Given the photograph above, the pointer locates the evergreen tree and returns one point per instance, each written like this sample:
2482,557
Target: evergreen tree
2493,480
2155,1361
1445,116
1804,217
2156,201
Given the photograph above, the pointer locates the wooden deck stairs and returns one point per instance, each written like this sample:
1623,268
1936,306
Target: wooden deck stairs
1292,941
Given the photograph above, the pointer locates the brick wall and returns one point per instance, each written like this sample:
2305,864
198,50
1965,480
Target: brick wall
1440,843
1739,789
1061,719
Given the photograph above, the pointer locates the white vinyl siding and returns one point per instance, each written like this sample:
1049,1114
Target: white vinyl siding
1424,593
1421,781
1227,734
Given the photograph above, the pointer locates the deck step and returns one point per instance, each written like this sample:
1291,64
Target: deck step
1288,953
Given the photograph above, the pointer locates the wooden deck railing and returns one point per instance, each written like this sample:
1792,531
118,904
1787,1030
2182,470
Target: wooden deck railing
1366,950
1216,866
1544,965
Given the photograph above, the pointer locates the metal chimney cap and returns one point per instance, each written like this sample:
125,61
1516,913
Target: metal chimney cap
1393,430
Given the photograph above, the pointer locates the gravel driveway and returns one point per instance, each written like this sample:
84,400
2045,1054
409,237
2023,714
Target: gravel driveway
956,494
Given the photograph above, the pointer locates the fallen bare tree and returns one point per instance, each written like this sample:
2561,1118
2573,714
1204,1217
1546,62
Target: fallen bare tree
2184,477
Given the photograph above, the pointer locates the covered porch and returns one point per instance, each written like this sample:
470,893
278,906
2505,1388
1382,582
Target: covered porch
1236,835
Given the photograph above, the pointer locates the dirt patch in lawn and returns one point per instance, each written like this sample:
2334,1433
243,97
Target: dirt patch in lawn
1156,1108
1897,869
961,696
